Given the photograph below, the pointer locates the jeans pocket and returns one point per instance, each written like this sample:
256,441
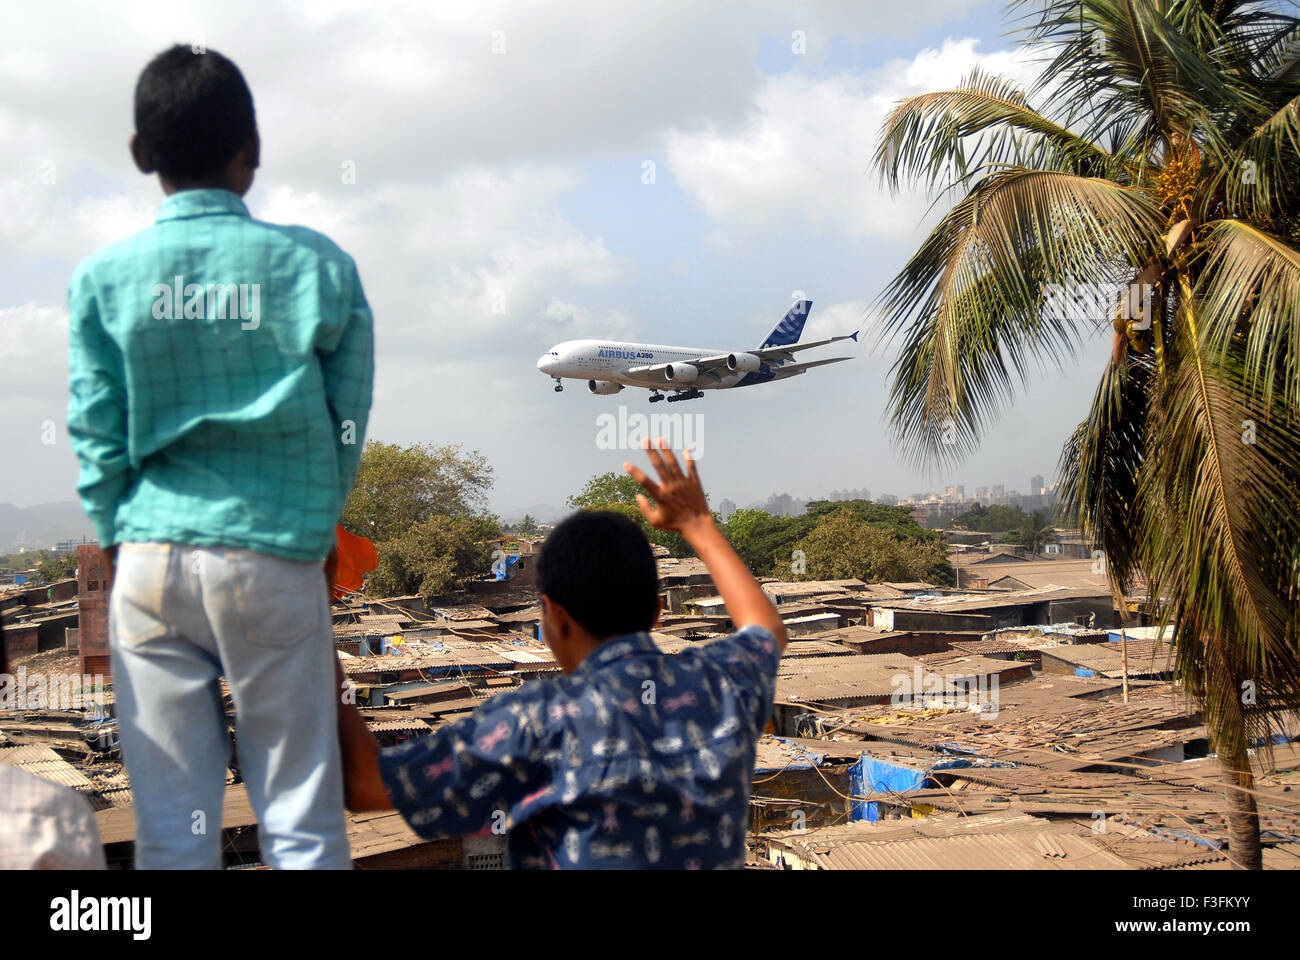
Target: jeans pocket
279,601
135,601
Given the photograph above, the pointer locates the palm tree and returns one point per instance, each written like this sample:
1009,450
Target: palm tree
1161,149
1036,532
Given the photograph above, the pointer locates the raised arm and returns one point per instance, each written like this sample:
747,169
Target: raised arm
680,505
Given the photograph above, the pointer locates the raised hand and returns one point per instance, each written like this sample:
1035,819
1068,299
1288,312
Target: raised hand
679,498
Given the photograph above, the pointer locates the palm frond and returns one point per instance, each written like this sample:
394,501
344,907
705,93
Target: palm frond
983,120
1249,294
1218,534
1132,71
1259,174
970,303
1100,463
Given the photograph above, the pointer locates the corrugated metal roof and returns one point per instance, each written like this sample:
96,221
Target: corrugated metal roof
863,676
1145,657
998,841
43,762
398,726
971,853
973,602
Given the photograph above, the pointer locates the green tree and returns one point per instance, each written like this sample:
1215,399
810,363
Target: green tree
617,492
1035,532
422,508
903,549
842,546
1161,157
898,520
434,557
54,566
527,526
765,542
997,518
604,490
397,487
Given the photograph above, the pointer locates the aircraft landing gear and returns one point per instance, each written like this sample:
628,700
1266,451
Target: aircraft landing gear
559,387
685,395
656,396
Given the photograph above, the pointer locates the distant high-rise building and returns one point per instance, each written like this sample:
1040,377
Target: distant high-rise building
1035,485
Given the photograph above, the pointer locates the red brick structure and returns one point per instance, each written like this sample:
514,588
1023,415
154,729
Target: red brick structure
92,603
63,590
21,640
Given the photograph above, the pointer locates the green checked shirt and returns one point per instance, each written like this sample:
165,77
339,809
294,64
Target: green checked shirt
220,373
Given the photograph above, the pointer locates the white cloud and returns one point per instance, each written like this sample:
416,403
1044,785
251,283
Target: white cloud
468,165
806,148
30,335
459,263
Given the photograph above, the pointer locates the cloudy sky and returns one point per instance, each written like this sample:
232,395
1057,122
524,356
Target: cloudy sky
500,205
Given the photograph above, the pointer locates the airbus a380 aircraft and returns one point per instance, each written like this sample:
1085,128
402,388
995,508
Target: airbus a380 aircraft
610,365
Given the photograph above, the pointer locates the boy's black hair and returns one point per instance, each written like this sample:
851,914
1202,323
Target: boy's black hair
193,113
597,564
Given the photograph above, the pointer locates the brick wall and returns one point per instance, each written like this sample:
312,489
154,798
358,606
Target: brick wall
92,603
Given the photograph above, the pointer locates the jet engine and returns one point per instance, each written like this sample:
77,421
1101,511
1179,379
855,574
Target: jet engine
681,372
603,387
744,362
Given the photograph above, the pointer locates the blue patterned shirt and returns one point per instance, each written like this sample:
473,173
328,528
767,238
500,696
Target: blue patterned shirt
220,373
638,759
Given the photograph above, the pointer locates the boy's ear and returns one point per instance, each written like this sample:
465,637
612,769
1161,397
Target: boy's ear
559,617
659,614
142,162
253,152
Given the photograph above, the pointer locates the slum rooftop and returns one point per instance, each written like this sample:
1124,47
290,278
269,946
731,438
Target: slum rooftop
914,725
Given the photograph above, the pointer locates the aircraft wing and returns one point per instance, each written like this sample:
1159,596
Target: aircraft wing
786,354
713,369
790,369
710,368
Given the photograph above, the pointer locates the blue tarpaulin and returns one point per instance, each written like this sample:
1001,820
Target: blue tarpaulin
502,570
874,775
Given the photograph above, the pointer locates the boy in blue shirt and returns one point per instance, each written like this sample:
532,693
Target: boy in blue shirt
220,374
633,759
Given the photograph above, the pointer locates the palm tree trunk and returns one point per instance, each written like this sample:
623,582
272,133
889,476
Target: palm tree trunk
1243,815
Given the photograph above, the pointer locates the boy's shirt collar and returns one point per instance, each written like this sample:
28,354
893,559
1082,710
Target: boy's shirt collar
185,204
616,648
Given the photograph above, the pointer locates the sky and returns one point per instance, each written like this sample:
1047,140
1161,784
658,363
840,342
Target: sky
511,175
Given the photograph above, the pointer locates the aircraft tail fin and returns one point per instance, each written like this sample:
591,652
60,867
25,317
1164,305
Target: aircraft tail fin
790,329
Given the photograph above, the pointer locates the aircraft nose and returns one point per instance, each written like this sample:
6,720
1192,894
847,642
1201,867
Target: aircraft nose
542,363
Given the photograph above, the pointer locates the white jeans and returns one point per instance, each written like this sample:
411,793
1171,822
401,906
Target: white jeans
180,617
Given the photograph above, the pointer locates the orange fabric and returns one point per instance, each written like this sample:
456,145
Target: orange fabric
356,557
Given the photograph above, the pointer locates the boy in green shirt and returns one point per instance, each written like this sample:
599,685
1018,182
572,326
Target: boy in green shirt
220,373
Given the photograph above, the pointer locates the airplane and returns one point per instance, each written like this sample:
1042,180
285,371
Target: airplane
610,365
